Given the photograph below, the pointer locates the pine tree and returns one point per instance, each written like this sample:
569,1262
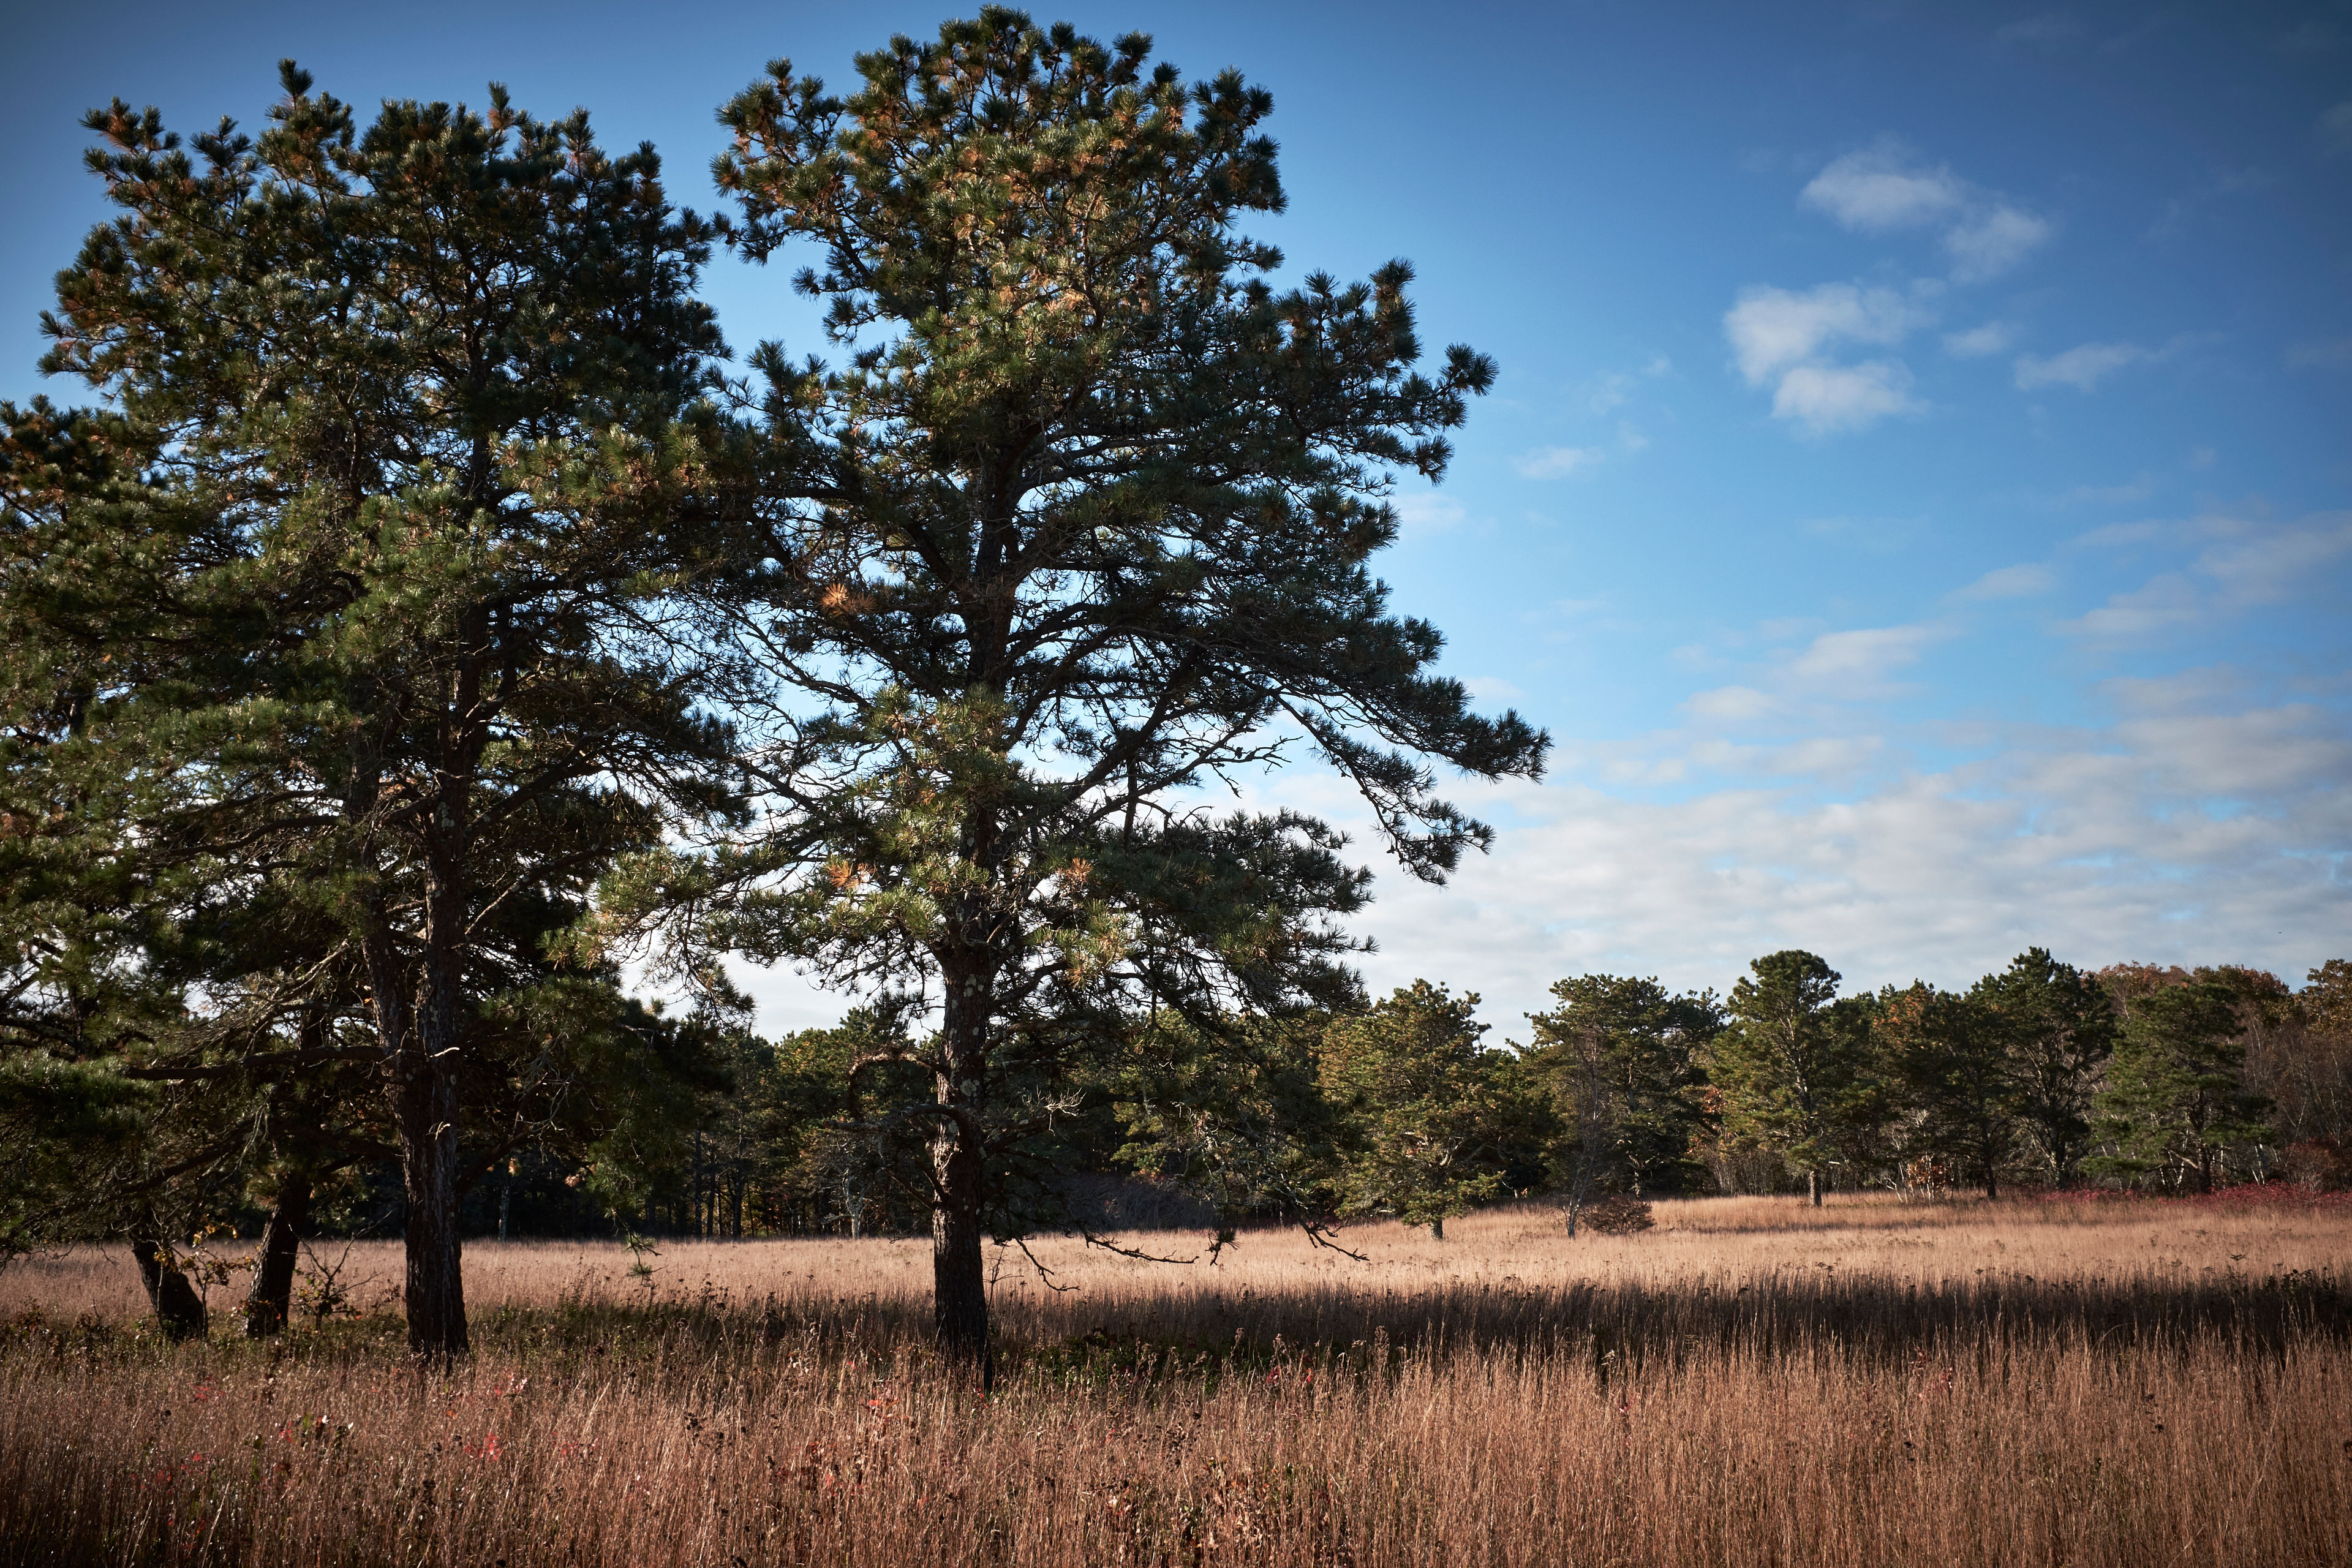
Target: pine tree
2175,1101
1957,1079
2057,1027
364,601
1794,1070
1425,1119
1078,530
1621,1061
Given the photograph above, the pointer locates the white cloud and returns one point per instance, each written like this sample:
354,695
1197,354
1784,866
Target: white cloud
1420,513
1992,337
1873,190
1879,189
1731,705
1878,535
2082,367
2022,582
1773,328
1829,399
2095,842
1864,658
1557,462
2243,566
1492,689
1994,241
2335,129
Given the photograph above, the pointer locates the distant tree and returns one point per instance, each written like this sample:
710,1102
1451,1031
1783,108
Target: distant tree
1233,1114
2174,1100
2300,1060
1620,1059
1790,1067
1426,1119
364,602
1077,531
2057,1026
1955,1079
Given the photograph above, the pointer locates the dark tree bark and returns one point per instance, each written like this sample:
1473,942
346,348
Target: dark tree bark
269,1303
958,1282
178,1309
420,1056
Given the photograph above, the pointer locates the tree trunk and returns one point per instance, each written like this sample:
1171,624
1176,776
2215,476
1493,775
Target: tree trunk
421,1080
1993,1184
179,1310
958,1283
434,1290
268,1303
1813,1187
1437,1228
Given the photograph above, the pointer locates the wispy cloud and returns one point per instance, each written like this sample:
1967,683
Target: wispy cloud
1876,535
1991,242
2082,367
1830,399
1876,190
1420,513
1978,343
2045,31
2242,566
1557,462
1848,662
1773,328
2335,130
1881,188
1785,334
2026,580
2323,354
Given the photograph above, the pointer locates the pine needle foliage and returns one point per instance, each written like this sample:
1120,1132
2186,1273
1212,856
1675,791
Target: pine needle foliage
1075,533
353,615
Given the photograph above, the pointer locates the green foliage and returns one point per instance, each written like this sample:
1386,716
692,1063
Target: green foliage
1957,1078
2175,1102
1077,529
1233,1113
1428,1124
1794,1065
2057,1027
1620,1059
357,621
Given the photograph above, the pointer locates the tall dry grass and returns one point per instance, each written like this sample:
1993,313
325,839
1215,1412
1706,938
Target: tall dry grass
1896,1384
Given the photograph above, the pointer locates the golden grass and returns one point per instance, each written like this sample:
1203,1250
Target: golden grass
1750,1383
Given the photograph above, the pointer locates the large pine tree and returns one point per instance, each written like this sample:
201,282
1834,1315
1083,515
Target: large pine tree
360,608
1075,536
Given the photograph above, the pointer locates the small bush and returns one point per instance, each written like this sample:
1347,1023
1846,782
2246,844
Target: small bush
1615,1215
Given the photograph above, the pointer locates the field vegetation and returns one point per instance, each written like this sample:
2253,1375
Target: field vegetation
2117,1380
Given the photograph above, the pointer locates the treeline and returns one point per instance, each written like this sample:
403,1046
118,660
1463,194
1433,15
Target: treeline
2041,1075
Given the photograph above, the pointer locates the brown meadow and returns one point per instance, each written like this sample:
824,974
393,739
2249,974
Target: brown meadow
1752,1382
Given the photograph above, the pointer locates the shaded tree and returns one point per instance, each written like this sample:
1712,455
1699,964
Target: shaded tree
1620,1059
2057,1026
2175,1101
371,584
1955,1076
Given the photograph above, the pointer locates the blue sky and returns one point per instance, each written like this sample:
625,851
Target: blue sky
1917,497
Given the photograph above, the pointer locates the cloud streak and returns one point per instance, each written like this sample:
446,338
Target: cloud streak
1880,189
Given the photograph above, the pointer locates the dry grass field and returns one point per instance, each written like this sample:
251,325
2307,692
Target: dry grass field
1752,1383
